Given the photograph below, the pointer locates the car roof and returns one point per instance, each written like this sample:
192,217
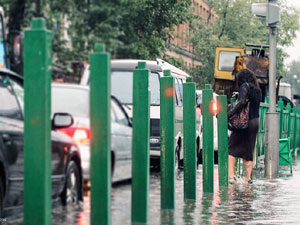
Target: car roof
199,92
77,86
155,66
131,64
69,85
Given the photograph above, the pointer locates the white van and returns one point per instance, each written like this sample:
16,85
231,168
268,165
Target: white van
285,89
121,88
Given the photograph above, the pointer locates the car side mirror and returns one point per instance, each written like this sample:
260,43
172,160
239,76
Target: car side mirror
17,49
198,101
62,120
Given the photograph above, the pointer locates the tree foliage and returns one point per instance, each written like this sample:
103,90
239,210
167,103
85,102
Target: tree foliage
236,26
129,28
293,76
142,28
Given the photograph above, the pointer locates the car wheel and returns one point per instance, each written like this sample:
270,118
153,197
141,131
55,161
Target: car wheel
1,199
198,153
199,158
71,192
177,157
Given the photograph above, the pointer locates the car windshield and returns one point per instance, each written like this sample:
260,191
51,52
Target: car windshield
9,106
226,60
122,86
71,100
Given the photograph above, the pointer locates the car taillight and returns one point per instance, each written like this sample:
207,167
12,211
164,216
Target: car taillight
79,135
214,107
198,111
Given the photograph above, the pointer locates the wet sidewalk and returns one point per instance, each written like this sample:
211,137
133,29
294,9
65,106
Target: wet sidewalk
264,202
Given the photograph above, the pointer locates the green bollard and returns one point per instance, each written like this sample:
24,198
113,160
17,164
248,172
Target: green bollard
37,124
280,106
222,139
232,101
298,129
208,140
100,156
295,129
189,137
140,144
167,144
288,109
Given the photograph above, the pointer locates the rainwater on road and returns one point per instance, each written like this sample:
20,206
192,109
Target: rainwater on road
274,201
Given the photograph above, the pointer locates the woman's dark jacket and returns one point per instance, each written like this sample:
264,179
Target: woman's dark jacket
253,96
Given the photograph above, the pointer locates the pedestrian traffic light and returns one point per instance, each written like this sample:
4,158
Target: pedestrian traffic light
269,10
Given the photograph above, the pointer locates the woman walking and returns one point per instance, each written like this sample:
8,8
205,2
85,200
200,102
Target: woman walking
242,142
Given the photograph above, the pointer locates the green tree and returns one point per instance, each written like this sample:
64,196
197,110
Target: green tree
293,76
236,26
129,28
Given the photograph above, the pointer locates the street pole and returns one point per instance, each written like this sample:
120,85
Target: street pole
100,123
272,128
37,124
167,137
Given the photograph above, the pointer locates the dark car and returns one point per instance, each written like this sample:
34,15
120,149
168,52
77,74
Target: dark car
66,162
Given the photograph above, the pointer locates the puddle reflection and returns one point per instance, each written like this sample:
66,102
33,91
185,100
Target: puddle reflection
189,212
264,202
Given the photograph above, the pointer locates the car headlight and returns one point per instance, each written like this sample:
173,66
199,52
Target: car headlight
154,140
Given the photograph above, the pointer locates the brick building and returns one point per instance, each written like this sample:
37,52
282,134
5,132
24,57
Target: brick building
180,47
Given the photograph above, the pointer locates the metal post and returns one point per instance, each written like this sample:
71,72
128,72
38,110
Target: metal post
189,137
100,160
272,71
140,144
37,153
222,139
167,144
208,140
272,145
272,118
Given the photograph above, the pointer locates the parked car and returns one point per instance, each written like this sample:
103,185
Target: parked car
66,162
215,121
122,81
74,99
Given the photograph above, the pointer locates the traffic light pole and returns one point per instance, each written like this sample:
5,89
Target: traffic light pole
272,129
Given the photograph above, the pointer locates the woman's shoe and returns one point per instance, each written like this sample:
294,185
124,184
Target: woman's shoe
250,181
232,180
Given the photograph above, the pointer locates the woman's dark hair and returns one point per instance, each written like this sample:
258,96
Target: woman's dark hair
246,75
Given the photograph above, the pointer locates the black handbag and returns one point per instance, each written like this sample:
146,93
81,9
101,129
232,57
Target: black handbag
239,121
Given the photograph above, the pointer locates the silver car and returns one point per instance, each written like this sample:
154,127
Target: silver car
74,99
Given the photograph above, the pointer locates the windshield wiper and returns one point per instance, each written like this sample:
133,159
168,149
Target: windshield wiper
127,105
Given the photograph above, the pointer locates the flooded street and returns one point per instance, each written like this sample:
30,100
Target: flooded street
264,202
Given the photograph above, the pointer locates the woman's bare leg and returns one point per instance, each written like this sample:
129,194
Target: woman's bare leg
231,166
248,166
